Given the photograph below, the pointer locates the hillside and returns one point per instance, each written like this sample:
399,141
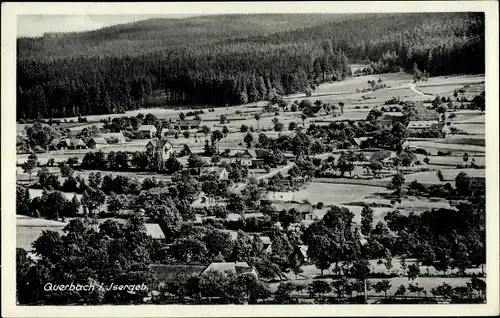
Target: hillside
158,34
232,59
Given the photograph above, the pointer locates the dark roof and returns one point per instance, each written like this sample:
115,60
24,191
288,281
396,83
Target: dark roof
158,143
301,207
173,273
312,109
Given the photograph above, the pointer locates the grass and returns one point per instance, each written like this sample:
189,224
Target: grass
329,193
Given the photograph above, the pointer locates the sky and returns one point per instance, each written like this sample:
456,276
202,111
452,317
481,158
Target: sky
37,25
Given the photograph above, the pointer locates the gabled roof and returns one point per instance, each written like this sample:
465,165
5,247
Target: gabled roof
146,128
393,114
75,142
159,143
154,230
254,153
311,110
421,123
208,170
285,206
359,140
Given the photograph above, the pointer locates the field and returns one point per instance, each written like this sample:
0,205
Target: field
336,194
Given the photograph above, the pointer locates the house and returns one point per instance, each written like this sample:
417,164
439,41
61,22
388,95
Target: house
203,203
187,124
154,230
237,268
58,144
305,209
315,111
359,141
164,133
279,196
161,148
420,125
147,131
221,172
96,142
75,143
251,157
390,118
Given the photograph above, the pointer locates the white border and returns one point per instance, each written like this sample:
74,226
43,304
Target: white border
8,126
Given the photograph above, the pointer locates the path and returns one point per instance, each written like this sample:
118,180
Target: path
413,87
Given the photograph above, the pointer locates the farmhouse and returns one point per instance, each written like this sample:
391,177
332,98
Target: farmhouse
221,172
162,148
390,118
96,142
74,143
305,209
315,111
58,144
251,157
203,203
357,142
147,131
421,125
187,124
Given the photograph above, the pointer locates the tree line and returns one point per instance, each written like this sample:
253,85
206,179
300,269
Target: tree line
239,70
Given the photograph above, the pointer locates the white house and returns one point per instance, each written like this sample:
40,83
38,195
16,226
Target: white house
163,148
147,131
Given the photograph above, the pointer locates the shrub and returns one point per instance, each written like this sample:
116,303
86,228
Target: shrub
422,151
444,153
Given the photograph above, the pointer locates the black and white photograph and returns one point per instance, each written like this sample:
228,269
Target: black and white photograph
174,157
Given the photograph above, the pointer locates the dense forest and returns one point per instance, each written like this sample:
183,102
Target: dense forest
231,59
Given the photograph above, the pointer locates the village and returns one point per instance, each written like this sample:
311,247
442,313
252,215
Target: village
289,190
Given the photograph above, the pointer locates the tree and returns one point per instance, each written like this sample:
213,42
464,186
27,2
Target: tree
340,286
360,271
462,183
303,117
218,243
74,206
92,199
283,292
248,140
225,131
466,158
383,286
400,291
319,287
23,200
413,271
397,182
292,126
366,220
30,164
257,118
216,137
403,264
319,251
278,126
66,170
